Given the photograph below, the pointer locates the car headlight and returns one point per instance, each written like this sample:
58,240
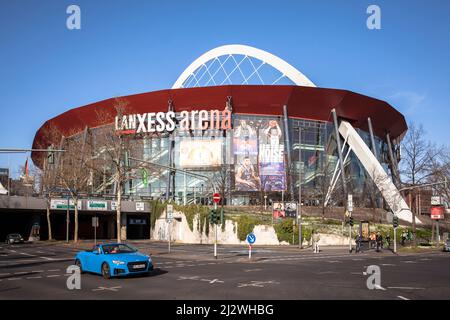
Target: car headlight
118,262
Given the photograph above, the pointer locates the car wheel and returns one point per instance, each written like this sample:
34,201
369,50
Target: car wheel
105,271
78,264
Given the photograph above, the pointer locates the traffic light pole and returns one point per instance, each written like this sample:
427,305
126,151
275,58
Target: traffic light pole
349,238
395,240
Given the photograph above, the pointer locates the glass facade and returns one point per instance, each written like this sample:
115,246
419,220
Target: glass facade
258,157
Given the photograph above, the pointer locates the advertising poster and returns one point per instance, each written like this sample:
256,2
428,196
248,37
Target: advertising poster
278,210
200,153
245,140
290,209
271,156
245,151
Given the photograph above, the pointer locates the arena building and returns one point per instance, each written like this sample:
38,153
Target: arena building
250,124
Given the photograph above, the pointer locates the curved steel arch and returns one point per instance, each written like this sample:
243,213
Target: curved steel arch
282,66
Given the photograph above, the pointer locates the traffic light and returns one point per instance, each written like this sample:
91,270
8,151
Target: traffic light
395,221
213,216
51,156
351,221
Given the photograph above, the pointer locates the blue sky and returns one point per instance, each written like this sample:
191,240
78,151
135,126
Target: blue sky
127,47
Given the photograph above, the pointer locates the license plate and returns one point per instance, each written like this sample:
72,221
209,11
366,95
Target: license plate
138,266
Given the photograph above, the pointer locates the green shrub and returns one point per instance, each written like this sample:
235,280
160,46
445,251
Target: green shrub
156,209
193,210
245,225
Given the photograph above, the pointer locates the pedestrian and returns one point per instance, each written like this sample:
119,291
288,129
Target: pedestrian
358,241
316,239
403,237
388,240
379,240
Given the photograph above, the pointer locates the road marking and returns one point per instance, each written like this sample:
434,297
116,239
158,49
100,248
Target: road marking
188,278
47,258
403,298
38,277
425,259
406,288
27,254
388,264
377,286
211,263
4,274
53,275
106,288
409,261
259,284
12,250
326,272
190,265
14,279
251,270
22,272
334,261
54,270
357,259
358,273
212,281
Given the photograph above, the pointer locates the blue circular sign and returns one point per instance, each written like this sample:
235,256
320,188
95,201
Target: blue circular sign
251,238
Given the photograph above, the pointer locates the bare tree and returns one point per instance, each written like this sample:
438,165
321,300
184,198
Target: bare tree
46,174
73,173
440,171
417,152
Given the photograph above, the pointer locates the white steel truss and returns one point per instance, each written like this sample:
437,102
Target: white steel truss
239,64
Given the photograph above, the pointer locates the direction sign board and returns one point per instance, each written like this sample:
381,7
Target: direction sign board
251,238
216,197
96,205
61,204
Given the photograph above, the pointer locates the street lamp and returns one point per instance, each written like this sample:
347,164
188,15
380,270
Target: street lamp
299,209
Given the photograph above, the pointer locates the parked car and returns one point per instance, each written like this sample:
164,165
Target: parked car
114,260
447,245
14,238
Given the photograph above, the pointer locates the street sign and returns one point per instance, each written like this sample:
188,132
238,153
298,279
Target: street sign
216,197
140,206
437,212
61,204
350,203
95,222
169,212
96,205
251,238
113,205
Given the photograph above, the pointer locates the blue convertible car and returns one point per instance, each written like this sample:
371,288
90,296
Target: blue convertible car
113,259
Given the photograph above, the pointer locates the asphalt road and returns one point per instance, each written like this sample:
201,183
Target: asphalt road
38,271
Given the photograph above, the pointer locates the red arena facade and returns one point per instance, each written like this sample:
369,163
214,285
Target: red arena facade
307,107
